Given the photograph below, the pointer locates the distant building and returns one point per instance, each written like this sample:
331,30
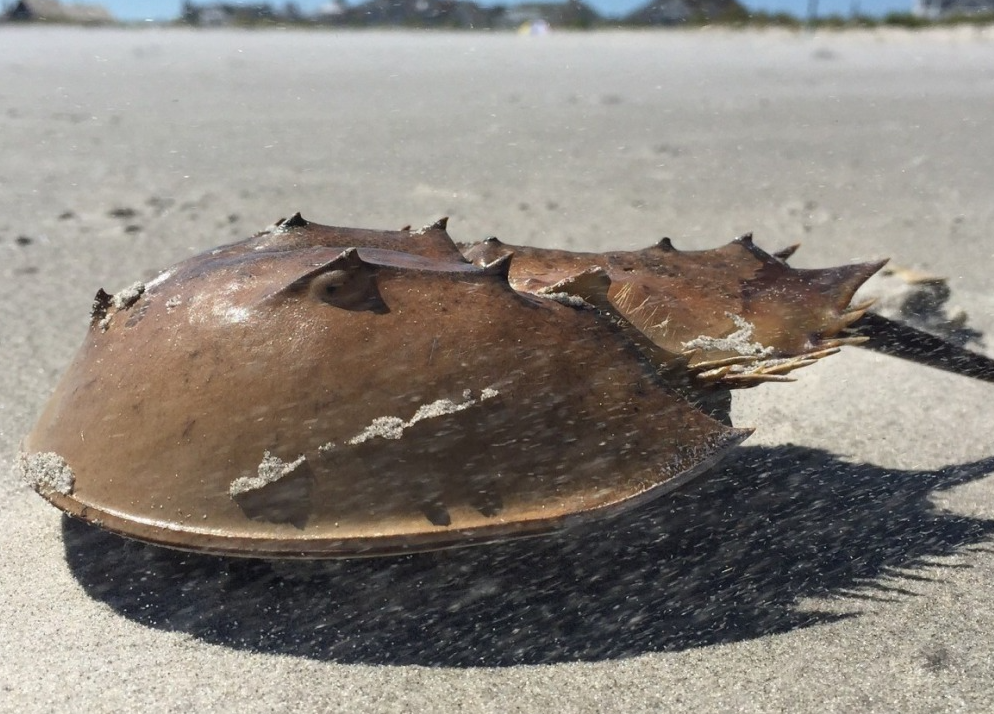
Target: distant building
418,13
330,11
540,16
677,12
54,11
221,14
937,9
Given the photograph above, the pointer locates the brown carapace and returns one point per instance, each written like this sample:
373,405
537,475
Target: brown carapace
328,392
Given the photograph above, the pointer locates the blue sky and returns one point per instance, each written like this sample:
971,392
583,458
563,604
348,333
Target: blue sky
168,9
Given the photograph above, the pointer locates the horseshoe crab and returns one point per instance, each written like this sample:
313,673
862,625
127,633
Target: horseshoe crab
330,392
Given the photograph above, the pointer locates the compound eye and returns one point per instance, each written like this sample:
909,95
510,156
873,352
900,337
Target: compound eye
327,284
348,289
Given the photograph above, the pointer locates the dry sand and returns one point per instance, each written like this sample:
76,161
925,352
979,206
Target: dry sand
840,562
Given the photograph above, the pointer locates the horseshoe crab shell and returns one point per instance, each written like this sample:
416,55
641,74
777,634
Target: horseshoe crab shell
323,392
331,392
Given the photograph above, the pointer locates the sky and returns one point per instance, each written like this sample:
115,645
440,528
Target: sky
169,9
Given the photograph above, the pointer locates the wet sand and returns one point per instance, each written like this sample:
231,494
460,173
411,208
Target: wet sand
841,560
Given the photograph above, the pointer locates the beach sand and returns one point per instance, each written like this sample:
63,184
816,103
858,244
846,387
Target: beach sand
839,561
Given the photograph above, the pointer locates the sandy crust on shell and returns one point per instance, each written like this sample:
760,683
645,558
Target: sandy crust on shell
46,472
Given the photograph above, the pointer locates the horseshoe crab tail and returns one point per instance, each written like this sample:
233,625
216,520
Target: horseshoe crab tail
890,337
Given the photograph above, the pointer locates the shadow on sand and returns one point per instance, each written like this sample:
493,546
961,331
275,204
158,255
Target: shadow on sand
723,560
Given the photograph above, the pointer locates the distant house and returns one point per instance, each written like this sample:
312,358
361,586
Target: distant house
221,14
677,12
330,11
570,14
419,13
54,11
937,9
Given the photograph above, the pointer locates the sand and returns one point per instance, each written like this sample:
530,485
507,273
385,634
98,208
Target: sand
840,561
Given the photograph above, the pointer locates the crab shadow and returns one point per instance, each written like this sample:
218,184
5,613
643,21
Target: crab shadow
723,560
